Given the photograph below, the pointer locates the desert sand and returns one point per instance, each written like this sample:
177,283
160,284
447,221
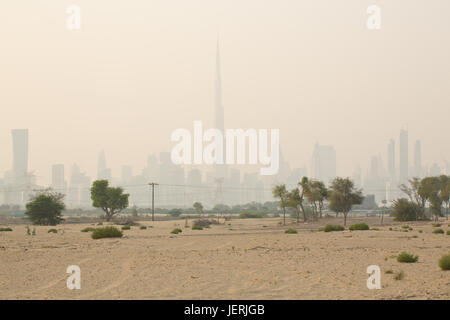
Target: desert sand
238,259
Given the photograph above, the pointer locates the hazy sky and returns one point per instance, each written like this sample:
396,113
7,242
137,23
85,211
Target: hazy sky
137,70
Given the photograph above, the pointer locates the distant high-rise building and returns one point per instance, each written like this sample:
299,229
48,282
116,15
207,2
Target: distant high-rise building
375,181
103,173
58,180
79,190
21,184
391,160
357,176
418,159
151,171
403,178
323,163
220,169
20,154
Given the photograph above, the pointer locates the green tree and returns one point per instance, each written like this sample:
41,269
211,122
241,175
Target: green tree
293,201
416,194
430,188
45,208
175,212
111,200
198,207
221,208
304,187
444,193
405,210
280,192
343,196
316,194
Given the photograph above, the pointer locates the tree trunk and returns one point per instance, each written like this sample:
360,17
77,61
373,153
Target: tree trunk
345,218
446,211
303,211
107,216
284,216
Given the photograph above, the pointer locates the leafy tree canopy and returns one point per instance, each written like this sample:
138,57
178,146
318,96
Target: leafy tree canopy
45,208
111,200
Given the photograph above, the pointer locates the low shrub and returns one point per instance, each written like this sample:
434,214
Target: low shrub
6,229
438,231
143,228
127,222
291,231
251,215
436,225
176,231
359,226
399,275
204,223
106,232
52,231
175,212
407,257
405,227
389,272
444,262
88,229
332,227
448,232
197,228
127,227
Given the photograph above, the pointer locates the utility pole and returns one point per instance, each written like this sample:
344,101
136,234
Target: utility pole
153,184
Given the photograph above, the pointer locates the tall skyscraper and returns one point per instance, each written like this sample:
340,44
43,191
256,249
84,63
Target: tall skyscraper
58,182
79,190
323,165
403,178
391,160
357,176
418,159
21,184
103,173
20,154
375,182
220,169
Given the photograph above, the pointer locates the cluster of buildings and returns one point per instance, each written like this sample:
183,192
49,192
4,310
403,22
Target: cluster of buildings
383,178
182,186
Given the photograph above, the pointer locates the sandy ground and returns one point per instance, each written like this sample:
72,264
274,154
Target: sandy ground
242,259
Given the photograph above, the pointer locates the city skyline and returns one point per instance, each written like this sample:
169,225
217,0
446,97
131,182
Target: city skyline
124,88
236,188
